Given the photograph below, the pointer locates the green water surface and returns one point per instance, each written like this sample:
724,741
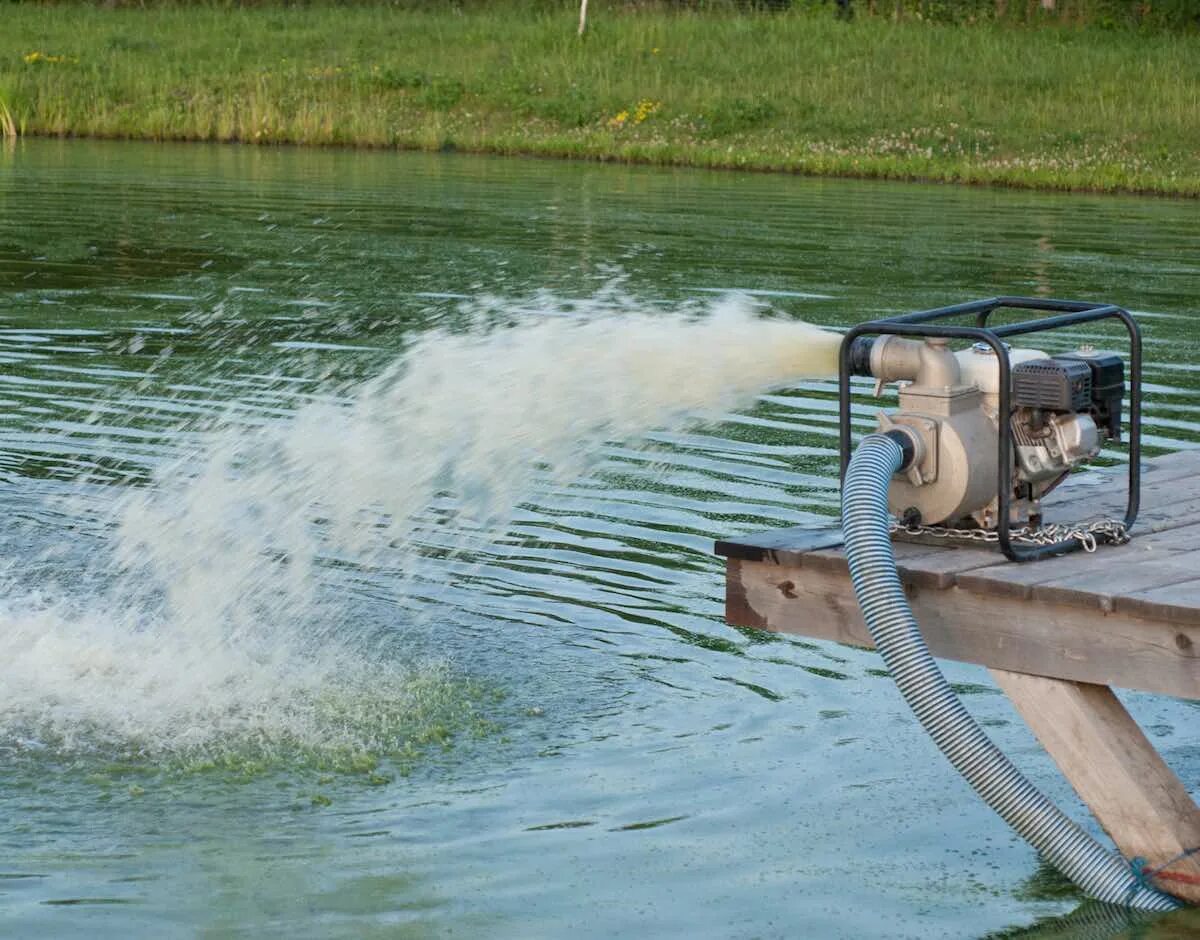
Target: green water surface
599,755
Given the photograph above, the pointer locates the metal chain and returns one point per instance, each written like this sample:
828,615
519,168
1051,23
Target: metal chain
1089,536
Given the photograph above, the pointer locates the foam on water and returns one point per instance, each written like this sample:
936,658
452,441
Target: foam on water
100,682
223,619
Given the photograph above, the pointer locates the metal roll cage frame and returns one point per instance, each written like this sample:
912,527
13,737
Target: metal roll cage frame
1067,313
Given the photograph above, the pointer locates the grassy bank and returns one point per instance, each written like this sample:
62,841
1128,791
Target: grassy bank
1054,107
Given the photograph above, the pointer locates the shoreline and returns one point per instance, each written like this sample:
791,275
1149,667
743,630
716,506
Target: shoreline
617,160
1041,108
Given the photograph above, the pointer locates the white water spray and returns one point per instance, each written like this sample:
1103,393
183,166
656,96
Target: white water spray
217,624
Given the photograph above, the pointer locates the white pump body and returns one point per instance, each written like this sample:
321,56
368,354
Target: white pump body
949,408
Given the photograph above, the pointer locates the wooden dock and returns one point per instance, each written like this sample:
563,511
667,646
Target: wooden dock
1056,635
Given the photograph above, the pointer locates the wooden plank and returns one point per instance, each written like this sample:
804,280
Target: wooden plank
929,565
923,565
1168,501
1021,635
1111,482
780,545
1173,603
1106,584
1124,577
1156,577
1149,561
1177,465
1117,772
1174,465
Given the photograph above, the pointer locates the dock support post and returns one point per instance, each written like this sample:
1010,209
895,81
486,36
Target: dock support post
1116,771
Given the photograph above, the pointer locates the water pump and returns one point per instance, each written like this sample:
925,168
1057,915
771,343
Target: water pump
988,430
981,435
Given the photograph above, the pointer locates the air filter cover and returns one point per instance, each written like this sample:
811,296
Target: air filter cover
1053,384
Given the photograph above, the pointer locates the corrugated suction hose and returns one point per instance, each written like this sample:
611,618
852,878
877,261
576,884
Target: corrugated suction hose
1095,870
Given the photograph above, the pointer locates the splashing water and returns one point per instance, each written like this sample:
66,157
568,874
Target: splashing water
219,626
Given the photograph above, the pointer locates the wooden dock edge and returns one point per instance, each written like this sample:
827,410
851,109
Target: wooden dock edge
1038,637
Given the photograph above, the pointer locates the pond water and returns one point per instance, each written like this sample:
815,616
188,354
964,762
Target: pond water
222,715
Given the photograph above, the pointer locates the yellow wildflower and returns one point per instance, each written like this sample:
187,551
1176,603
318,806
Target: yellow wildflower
617,121
33,58
645,108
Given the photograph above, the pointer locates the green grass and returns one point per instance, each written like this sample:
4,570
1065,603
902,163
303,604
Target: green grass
1053,106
